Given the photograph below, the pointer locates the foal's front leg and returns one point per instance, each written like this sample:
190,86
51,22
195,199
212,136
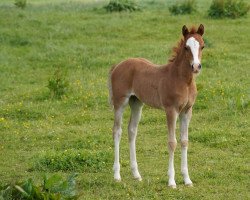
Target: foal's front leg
171,122
184,123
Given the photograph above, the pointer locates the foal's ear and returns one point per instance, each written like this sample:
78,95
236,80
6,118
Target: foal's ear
185,31
200,30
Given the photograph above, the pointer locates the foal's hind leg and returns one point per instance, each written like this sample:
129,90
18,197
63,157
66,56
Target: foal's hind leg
136,108
117,132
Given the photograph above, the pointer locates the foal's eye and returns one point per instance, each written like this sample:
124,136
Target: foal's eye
186,48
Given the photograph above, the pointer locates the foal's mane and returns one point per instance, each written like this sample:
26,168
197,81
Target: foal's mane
177,49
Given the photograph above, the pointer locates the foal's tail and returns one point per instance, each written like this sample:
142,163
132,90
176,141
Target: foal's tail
110,87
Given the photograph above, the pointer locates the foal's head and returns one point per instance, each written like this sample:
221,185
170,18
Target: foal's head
193,44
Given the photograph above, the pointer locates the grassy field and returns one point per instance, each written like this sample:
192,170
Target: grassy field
40,135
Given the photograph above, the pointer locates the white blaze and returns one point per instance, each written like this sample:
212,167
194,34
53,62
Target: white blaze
194,46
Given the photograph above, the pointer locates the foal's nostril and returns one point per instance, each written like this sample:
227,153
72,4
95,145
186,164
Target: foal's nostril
192,66
199,66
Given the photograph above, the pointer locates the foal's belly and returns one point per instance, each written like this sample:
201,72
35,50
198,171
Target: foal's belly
149,96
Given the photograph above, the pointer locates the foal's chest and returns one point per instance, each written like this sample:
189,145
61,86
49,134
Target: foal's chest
187,99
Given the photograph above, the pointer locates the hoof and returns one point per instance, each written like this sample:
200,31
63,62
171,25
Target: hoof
117,176
138,178
118,180
189,185
172,186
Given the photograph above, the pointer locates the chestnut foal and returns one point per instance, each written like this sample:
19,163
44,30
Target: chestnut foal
170,87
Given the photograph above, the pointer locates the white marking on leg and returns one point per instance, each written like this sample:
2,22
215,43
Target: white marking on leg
136,108
184,123
171,119
171,170
117,132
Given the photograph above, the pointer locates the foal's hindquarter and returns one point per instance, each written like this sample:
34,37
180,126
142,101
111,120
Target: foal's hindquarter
170,87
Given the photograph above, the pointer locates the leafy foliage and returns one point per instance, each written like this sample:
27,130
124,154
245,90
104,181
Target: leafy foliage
53,188
20,3
58,84
228,8
186,7
121,5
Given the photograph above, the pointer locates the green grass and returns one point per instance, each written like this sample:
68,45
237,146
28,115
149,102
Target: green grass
40,135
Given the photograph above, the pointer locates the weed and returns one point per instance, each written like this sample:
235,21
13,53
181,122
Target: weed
20,3
18,41
186,7
53,188
121,5
228,8
58,84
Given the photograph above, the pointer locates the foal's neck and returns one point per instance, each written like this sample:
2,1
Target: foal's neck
181,68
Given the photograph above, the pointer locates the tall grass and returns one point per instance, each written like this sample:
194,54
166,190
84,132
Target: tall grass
184,7
228,8
20,3
121,5
58,84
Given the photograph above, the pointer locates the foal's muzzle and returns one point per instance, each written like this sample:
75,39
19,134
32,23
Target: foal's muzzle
196,68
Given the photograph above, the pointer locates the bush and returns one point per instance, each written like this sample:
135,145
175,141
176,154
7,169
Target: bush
53,188
228,8
58,84
121,5
186,7
20,3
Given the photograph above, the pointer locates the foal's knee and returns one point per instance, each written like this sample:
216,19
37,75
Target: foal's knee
184,143
131,133
172,145
117,132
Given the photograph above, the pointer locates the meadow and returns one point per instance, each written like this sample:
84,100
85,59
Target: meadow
43,135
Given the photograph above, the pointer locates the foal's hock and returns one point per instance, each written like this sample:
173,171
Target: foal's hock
170,87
